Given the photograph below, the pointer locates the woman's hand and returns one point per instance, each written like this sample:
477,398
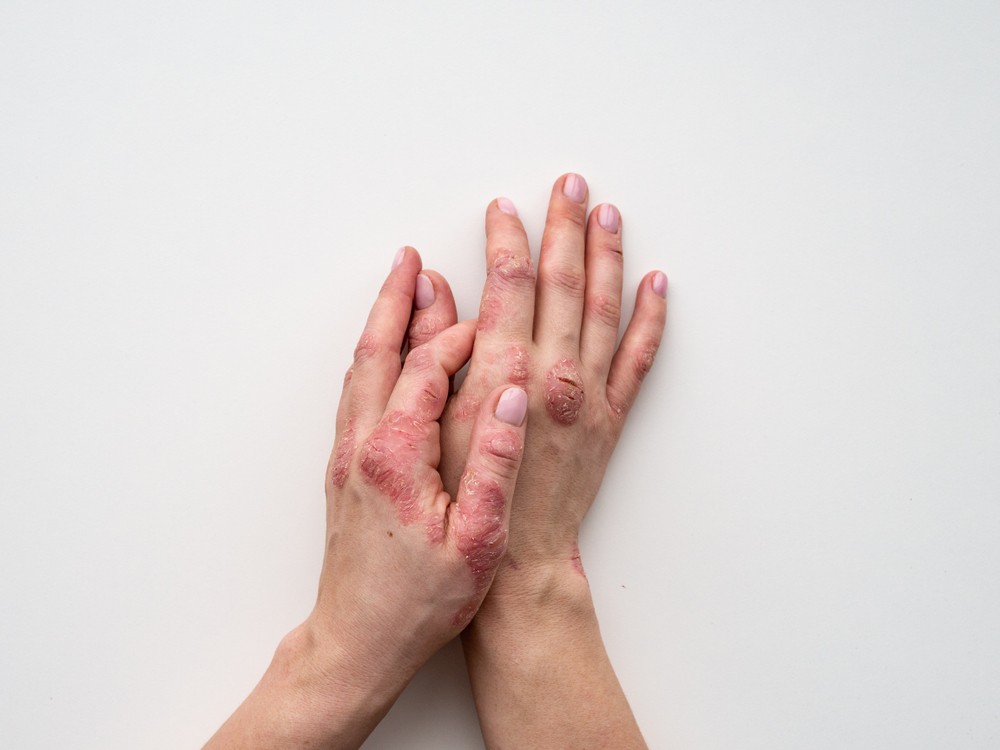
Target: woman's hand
556,339
405,567
539,670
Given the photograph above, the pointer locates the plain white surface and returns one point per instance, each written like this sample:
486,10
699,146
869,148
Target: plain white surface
798,541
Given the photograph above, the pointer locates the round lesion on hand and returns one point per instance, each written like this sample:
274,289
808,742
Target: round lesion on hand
564,392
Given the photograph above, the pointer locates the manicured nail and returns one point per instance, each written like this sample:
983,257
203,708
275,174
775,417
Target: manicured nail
575,187
507,206
400,254
607,217
423,296
512,406
660,284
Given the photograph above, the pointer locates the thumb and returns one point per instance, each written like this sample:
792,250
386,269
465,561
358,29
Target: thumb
478,520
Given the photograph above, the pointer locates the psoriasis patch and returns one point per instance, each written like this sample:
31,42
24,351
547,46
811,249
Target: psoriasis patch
517,365
481,537
343,454
501,443
389,460
564,392
507,268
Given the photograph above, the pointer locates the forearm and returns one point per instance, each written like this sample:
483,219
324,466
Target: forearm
539,671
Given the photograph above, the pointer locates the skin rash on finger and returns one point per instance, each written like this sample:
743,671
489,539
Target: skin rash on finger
388,461
344,453
502,443
507,268
482,538
564,392
516,365
425,327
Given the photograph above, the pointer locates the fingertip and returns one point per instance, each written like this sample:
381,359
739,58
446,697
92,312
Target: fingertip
574,187
608,217
405,256
506,205
658,283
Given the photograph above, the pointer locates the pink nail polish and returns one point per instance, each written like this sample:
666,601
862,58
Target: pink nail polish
507,206
575,188
660,284
607,217
423,295
512,406
400,254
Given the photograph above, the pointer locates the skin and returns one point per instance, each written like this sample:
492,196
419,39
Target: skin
405,567
538,667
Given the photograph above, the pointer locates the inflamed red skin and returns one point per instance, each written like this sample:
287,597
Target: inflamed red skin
536,627
406,563
555,332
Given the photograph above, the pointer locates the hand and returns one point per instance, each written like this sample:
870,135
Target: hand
558,341
539,670
405,567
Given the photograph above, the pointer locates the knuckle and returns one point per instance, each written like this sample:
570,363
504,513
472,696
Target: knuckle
483,538
388,459
424,328
566,214
369,347
511,267
642,361
343,455
570,281
503,449
606,309
420,360
564,392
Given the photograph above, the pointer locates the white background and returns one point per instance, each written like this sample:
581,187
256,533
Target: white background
798,541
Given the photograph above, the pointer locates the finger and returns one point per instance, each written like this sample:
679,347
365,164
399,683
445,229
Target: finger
478,520
602,312
507,307
346,438
434,308
635,355
376,358
422,387
561,273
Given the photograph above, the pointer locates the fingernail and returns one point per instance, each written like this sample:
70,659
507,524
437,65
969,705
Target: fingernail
607,217
423,295
507,206
660,284
512,406
575,187
400,254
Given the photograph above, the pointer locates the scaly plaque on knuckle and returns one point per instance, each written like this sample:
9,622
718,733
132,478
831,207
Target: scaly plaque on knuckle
503,444
517,365
644,359
482,538
368,348
389,460
564,392
506,270
426,327
343,454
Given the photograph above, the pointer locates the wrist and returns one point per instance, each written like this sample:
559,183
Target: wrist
537,593
315,693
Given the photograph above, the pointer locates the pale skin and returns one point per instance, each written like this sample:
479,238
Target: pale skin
433,517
